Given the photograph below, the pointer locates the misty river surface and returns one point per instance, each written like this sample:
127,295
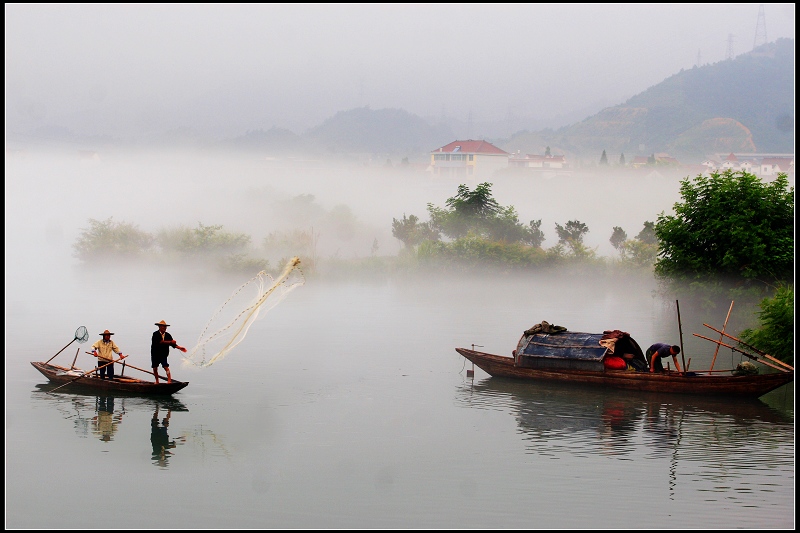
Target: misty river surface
346,406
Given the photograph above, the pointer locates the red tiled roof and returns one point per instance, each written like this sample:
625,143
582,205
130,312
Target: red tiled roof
471,147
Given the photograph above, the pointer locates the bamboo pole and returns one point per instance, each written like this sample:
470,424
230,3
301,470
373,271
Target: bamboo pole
88,372
723,329
759,352
680,333
753,357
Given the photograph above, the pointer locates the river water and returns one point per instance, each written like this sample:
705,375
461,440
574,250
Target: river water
347,406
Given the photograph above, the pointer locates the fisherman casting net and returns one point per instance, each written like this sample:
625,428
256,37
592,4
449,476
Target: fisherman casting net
228,326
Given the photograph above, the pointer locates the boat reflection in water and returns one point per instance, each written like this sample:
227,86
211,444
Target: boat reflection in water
558,418
102,416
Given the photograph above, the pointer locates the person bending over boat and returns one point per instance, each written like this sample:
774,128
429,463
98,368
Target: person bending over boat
159,349
104,350
659,351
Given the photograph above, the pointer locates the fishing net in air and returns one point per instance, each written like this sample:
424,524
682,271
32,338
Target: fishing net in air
229,325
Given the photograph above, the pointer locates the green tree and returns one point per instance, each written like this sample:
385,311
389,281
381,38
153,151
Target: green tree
775,335
618,238
572,234
604,158
547,152
651,159
476,212
107,239
648,233
729,225
410,231
622,160
639,253
203,240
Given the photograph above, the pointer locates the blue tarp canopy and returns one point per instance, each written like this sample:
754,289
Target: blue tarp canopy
565,345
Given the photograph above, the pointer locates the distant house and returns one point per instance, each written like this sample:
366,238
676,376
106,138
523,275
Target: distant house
539,162
763,165
772,166
468,158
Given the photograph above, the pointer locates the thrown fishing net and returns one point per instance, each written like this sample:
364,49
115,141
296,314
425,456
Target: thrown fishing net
229,325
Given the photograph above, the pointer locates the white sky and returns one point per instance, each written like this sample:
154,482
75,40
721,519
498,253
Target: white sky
133,70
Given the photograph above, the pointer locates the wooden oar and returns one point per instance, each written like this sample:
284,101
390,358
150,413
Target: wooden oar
723,329
753,357
146,371
88,372
759,352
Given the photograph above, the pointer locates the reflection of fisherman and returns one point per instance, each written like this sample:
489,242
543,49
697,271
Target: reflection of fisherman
105,423
159,438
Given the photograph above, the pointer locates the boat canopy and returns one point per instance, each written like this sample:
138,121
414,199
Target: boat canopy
573,349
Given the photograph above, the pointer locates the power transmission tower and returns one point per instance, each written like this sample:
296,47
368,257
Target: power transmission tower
761,29
729,52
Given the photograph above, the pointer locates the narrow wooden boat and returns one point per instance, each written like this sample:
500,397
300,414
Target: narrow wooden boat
71,379
577,357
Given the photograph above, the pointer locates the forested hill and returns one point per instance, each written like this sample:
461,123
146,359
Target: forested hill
745,104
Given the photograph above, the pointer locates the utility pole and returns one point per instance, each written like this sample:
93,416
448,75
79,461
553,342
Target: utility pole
729,52
761,29
698,58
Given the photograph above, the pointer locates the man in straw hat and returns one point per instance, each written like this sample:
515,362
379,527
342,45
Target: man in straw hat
159,349
104,350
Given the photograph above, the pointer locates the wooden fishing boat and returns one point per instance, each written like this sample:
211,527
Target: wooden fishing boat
74,378
582,358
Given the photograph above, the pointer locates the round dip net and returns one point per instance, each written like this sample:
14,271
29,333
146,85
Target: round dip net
228,326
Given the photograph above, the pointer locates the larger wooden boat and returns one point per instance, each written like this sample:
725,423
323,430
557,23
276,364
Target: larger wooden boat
73,378
577,357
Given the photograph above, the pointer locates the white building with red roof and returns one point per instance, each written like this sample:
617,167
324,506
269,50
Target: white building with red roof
468,158
762,165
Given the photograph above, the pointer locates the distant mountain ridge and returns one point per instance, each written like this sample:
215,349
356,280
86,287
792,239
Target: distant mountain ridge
744,104
741,105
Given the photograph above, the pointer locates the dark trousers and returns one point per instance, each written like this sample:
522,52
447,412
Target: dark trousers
658,366
107,371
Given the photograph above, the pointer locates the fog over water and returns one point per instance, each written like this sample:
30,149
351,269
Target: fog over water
50,200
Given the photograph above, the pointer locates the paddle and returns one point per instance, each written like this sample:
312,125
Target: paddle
88,372
145,371
81,335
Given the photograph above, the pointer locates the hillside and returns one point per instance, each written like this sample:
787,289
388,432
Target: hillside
744,105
